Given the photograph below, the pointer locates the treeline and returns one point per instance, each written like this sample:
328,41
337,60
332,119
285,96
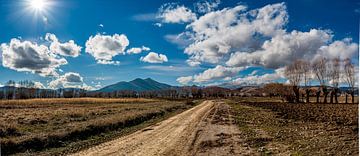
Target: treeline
13,90
328,74
173,93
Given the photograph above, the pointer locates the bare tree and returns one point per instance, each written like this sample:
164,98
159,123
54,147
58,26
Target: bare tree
305,70
293,73
319,68
350,78
334,73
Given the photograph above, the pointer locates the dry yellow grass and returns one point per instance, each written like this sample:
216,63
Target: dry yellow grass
75,101
44,123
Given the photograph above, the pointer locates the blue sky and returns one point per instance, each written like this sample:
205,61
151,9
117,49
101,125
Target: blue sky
77,20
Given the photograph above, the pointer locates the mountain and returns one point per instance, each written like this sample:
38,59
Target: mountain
136,85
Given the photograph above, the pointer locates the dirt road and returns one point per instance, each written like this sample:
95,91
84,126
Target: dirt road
206,129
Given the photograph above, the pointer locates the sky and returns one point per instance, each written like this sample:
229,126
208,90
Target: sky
92,43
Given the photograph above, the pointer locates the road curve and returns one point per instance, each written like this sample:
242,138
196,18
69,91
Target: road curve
169,137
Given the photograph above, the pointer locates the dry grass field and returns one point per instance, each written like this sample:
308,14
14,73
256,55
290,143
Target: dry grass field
298,129
28,126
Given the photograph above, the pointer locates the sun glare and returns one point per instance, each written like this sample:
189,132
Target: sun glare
38,4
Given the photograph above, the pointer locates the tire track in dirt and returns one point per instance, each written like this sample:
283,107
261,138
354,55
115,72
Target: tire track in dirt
171,136
219,135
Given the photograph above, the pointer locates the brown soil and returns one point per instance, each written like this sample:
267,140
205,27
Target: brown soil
207,129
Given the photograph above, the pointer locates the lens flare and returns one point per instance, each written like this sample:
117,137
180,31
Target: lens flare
38,4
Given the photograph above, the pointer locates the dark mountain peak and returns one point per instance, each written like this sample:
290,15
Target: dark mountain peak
137,84
137,79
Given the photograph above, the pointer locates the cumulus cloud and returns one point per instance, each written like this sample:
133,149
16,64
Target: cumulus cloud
264,40
237,37
205,6
283,49
137,50
104,47
173,13
339,49
216,34
39,85
26,56
255,79
65,49
153,57
185,80
217,73
69,80
259,79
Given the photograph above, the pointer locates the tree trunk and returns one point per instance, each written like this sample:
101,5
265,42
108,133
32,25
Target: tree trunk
325,97
307,96
297,94
332,96
352,97
318,96
336,97
325,91
346,98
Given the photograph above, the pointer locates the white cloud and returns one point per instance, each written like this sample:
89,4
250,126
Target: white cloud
38,85
259,79
185,80
205,6
216,34
172,13
137,50
342,49
219,72
158,25
254,72
256,79
26,56
69,80
65,49
108,62
182,40
153,57
237,37
193,62
104,47
212,74
283,49
29,84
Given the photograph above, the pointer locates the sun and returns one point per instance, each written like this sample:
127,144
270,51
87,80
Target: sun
38,5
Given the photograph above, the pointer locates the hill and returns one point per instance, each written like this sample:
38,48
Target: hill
136,85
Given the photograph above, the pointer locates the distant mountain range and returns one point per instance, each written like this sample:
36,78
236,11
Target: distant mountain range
136,85
149,84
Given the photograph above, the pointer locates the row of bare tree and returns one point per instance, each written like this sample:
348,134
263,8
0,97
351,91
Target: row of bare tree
328,73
